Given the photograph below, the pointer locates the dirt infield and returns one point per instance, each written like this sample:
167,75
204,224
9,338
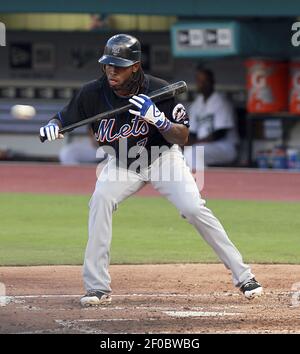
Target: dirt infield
189,298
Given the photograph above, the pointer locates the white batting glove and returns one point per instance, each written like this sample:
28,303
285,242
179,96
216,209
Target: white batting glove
148,111
51,132
179,113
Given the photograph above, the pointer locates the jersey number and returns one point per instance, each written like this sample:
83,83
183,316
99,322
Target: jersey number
142,143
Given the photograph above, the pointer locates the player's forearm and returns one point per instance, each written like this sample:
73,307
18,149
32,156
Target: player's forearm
177,134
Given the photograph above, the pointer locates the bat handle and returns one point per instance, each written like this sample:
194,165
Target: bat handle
43,139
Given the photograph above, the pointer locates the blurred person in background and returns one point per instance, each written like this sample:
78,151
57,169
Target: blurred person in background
212,125
78,152
98,21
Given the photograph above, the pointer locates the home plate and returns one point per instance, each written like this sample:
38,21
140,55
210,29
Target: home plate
199,314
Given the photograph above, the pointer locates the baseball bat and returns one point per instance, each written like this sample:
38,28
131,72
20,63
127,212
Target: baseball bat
159,95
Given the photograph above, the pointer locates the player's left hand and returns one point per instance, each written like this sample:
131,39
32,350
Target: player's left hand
148,110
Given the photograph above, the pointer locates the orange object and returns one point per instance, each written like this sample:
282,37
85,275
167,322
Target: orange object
267,85
294,87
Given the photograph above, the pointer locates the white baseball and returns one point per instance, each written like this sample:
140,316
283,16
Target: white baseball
20,111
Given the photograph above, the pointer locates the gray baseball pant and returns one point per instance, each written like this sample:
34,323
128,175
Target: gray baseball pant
183,193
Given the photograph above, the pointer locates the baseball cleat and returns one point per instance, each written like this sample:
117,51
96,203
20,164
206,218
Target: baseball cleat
252,289
94,298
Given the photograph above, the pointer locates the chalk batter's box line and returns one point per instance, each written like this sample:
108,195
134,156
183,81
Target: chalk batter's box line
227,294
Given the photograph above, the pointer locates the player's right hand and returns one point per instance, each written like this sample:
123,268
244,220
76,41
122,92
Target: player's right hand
50,132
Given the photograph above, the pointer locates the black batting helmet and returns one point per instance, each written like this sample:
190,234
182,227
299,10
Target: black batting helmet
121,50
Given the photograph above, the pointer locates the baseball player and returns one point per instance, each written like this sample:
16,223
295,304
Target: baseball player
148,125
212,124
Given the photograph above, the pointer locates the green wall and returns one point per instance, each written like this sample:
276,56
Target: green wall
230,8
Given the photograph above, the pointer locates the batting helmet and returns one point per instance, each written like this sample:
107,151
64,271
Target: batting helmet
121,50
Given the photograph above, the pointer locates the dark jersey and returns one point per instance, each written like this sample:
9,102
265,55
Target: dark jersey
125,129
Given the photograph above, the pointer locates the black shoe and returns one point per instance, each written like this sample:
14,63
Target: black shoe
94,297
252,289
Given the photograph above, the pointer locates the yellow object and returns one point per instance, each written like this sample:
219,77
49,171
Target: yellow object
142,22
81,22
46,22
124,22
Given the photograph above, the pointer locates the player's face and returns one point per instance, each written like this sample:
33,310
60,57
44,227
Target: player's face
117,75
204,85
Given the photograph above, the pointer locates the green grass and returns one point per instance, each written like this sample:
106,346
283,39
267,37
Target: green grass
51,229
